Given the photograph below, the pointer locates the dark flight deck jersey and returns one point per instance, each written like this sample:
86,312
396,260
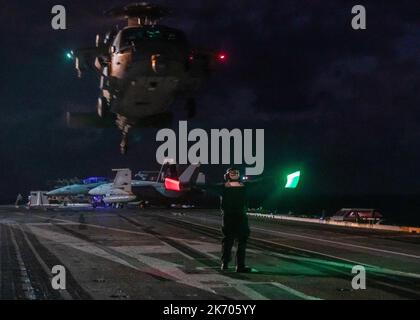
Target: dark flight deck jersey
233,206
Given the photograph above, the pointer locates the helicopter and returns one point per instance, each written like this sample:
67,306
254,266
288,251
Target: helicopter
142,68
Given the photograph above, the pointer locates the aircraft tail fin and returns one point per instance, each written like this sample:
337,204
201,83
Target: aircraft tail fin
168,168
122,179
190,174
184,181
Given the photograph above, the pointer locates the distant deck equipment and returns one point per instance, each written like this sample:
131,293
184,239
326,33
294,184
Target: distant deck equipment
358,215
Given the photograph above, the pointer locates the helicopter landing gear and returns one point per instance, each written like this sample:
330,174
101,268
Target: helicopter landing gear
125,127
191,107
102,107
124,143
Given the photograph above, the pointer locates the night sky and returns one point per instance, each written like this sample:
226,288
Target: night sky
342,105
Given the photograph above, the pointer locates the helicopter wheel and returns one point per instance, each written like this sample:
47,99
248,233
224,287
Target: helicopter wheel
102,107
191,107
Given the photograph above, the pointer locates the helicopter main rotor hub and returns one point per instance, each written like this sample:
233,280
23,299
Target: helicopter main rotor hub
141,13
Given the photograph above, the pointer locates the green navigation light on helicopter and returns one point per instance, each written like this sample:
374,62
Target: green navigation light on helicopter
70,55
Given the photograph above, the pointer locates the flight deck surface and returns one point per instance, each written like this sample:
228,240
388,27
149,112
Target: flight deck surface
154,254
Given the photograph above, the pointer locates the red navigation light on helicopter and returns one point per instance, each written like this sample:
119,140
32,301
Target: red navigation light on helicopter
222,56
171,184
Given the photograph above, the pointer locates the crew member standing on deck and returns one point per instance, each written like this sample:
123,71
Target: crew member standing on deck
235,220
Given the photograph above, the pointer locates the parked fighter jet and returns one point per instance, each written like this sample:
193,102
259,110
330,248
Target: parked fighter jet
167,188
77,191
117,192
143,69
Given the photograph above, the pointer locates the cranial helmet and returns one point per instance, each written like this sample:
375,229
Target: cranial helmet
230,170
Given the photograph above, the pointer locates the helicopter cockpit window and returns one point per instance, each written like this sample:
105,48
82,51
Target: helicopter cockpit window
138,35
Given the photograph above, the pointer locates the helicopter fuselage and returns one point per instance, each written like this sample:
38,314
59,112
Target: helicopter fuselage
147,68
143,69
